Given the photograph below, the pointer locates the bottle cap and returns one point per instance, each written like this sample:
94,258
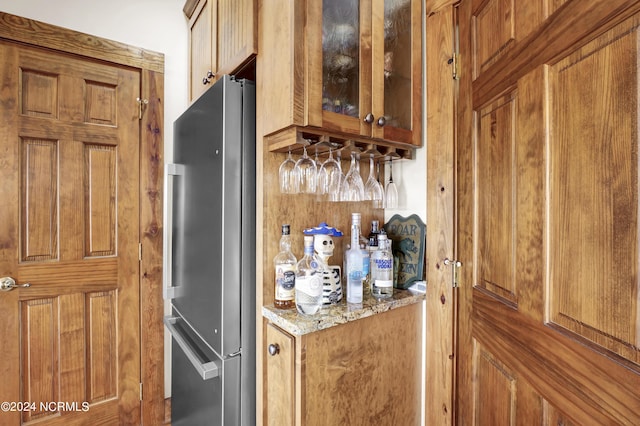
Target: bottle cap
356,218
286,229
308,240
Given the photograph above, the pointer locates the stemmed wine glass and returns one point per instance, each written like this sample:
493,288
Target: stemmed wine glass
352,187
391,196
287,176
306,173
372,188
329,178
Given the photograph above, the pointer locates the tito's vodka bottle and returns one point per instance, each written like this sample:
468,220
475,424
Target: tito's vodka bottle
309,273
354,262
285,265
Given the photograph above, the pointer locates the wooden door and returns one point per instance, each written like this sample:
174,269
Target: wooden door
69,184
548,213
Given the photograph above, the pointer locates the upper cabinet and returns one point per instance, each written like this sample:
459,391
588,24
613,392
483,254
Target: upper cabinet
351,67
222,39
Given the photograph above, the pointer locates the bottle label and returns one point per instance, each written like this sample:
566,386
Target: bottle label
384,263
310,285
384,283
285,282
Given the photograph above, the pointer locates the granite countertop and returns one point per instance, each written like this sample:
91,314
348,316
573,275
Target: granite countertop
331,315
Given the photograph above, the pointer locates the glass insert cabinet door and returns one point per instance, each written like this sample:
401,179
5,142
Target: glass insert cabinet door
370,68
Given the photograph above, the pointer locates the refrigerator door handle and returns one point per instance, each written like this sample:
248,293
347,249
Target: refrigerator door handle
207,370
170,291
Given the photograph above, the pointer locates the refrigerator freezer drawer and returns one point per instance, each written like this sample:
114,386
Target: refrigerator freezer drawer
206,368
195,399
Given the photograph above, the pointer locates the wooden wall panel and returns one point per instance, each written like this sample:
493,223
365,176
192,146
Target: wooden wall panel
39,200
100,204
496,169
594,214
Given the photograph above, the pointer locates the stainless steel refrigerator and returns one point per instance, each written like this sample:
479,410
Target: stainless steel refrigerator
211,274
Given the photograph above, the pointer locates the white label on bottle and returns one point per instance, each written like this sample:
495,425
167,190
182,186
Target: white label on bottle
285,282
311,285
384,283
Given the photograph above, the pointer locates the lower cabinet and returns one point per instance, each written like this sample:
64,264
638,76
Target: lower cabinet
363,372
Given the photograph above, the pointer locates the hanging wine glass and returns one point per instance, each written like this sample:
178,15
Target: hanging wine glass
306,173
352,187
382,202
372,189
287,176
329,178
391,193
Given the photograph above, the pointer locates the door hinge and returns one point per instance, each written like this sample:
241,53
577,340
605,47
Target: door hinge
455,265
142,104
140,391
454,61
139,252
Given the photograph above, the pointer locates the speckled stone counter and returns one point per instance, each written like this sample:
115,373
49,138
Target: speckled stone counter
331,315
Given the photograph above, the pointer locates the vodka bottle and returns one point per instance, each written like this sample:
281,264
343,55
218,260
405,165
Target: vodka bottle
354,263
382,269
309,272
285,265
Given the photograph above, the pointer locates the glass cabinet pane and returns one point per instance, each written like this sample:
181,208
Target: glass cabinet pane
340,56
397,63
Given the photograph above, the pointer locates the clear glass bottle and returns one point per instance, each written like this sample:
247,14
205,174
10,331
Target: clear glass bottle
354,263
309,273
285,266
382,269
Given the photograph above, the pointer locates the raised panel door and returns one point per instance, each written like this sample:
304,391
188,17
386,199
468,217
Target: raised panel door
70,226
280,380
547,175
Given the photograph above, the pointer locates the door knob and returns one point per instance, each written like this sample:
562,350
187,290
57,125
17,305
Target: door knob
382,121
8,283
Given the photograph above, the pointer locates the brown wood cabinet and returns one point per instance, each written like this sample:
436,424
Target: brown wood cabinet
366,371
352,68
222,39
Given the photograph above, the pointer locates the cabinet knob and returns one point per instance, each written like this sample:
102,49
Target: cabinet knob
369,118
274,349
208,78
382,121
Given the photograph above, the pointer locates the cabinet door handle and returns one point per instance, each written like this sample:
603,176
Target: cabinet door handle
274,349
382,121
208,78
369,118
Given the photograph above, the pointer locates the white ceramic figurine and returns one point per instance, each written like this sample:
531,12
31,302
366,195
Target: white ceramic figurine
323,246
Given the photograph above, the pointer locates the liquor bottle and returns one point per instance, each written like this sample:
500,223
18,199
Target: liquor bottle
309,272
373,236
382,269
354,263
285,265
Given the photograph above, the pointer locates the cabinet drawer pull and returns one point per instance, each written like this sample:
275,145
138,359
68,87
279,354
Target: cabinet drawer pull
274,349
